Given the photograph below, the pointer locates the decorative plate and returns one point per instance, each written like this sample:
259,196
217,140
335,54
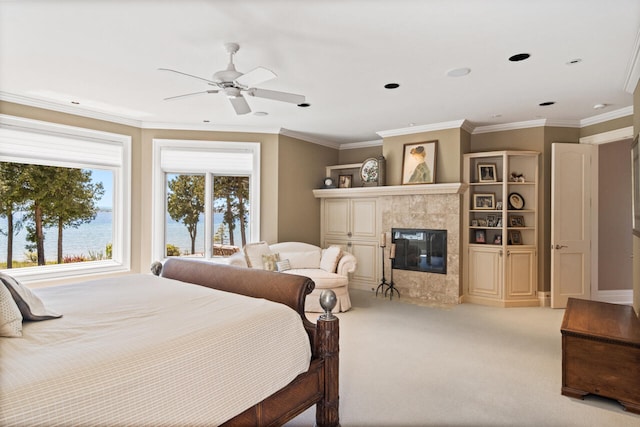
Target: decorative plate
369,170
516,201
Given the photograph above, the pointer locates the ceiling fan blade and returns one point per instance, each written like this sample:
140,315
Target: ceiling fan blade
189,75
186,95
255,76
240,105
276,96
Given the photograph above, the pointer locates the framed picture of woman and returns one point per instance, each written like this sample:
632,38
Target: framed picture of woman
419,163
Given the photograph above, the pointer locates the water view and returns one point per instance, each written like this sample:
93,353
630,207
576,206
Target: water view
93,237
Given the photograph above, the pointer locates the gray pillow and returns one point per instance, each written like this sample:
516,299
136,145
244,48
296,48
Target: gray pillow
31,307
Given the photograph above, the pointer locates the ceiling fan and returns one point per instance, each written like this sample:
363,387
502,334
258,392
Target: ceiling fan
234,83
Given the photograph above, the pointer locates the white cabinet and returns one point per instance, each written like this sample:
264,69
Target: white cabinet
354,224
500,228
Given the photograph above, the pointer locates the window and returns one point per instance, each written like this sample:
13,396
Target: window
206,197
79,225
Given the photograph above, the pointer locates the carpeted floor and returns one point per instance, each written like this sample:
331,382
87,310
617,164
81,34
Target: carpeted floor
409,364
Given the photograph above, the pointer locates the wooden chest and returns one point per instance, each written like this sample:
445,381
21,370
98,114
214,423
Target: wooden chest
601,352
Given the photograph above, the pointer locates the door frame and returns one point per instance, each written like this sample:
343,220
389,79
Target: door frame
598,139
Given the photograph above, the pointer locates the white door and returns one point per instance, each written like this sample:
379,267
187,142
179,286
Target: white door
570,222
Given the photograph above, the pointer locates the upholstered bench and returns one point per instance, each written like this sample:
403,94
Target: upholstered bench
328,268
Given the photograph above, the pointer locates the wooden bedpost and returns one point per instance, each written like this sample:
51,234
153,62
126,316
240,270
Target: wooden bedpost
328,335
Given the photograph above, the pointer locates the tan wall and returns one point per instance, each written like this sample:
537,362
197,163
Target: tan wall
615,244
636,238
358,155
301,169
448,163
610,125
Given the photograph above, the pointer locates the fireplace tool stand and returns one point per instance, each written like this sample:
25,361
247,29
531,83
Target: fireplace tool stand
383,283
390,288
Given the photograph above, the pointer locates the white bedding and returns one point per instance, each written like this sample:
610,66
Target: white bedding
147,351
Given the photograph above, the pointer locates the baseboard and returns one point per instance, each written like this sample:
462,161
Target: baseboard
544,298
622,296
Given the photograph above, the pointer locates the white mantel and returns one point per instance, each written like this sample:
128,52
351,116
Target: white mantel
391,190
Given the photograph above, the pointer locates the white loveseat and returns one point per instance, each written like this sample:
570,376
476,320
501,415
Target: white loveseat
328,268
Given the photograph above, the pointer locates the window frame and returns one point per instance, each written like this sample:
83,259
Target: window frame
114,155
193,147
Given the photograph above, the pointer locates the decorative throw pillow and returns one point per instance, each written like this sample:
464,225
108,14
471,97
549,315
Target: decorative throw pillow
31,307
283,265
254,251
269,261
330,258
10,317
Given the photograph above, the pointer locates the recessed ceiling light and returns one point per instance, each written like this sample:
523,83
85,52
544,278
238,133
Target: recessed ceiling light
391,86
75,102
459,72
412,124
599,106
546,103
206,121
260,113
304,105
574,61
519,57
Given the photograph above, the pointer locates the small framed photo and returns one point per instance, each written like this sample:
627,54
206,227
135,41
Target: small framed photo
484,201
499,222
486,173
419,163
344,181
482,222
474,222
499,205
481,236
515,238
516,221
491,220
497,240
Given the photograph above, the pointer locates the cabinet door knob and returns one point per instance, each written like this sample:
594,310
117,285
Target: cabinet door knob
349,244
349,234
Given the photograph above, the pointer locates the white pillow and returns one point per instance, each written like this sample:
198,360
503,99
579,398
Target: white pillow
31,307
283,265
330,258
10,317
303,259
254,251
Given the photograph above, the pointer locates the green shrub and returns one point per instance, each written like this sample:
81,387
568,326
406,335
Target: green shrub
172,250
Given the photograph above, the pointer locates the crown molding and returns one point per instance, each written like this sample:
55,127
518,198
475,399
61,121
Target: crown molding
611,115
510,126
362,144
68,109
424,128
633,70
305,137
210,127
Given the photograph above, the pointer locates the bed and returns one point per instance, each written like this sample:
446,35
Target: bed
158,351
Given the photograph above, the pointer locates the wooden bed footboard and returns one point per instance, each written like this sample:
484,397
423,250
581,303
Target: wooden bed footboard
319,385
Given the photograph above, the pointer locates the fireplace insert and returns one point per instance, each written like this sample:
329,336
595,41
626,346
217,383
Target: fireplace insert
420,250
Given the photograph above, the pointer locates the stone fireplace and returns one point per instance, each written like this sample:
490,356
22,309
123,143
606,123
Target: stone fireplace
426,211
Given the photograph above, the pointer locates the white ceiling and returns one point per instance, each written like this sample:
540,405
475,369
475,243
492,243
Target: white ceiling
339,54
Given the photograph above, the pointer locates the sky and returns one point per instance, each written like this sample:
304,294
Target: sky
106,177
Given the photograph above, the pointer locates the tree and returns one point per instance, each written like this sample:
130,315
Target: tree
186,202
234,192
74,201
11,199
